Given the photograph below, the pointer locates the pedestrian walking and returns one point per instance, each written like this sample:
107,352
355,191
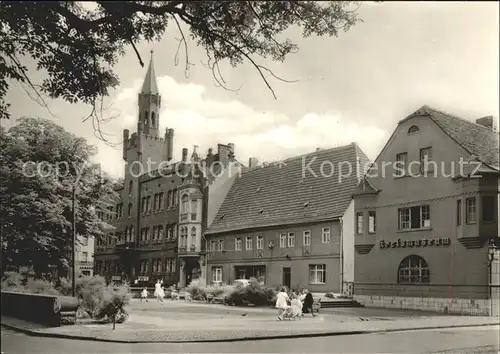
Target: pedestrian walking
144,294
308,303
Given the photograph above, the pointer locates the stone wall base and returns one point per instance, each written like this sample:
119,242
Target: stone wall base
486,307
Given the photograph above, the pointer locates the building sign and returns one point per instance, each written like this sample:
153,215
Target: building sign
415,243
116,277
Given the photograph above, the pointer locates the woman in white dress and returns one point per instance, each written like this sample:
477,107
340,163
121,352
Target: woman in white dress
282,303
157,292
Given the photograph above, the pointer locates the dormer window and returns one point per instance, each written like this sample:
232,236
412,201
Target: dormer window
413,129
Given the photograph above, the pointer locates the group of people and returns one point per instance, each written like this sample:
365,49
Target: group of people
299,304
159,293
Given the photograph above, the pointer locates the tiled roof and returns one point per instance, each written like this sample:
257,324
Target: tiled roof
479,141
287,192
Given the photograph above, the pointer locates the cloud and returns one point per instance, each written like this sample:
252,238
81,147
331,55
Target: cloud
268,136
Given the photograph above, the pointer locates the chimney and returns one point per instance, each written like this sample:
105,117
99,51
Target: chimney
252,163
318,149
184,155
487,122
210,152
170,144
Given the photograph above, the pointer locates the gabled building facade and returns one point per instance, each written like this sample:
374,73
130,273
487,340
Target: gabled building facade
427,216
289,223
157,234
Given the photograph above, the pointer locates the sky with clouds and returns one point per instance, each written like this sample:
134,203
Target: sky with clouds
352,88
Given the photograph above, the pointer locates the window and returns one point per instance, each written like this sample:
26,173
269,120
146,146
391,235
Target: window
488,208
291,239
194,209
217,274
155,202
174,264
237,244
317,274
143,205
148,204
153,119
459,212
170,201
212,246
372,222
325,235
425,158
130,186
413,129
185,204
283,240
129,209
260,242
160,232
400,165
306,236
220,245
154,232
359,224
175,201
248,243
417,217
170,233
132,234
413,270
168,268
470,206
160,201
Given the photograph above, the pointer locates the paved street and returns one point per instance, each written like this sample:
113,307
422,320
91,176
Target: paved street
460,340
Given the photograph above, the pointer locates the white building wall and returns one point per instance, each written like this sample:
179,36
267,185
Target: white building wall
218,189
348,247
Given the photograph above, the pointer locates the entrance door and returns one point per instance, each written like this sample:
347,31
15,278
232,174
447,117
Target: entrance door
287,277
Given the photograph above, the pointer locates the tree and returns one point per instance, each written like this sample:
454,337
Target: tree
78,46
39,165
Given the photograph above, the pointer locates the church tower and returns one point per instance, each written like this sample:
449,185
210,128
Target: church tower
147,144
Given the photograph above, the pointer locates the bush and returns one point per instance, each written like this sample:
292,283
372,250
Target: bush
91,292
13,281
115,299
196,290
40,286
330,295
253,293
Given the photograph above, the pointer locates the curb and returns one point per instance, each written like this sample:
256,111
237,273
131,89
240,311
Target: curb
35,333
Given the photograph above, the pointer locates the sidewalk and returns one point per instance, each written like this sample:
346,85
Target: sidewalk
150,328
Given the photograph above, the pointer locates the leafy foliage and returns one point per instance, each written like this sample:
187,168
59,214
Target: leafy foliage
40,163
78,45
115,299
254,293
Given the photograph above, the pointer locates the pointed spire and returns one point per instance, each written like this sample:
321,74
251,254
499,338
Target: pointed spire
149,85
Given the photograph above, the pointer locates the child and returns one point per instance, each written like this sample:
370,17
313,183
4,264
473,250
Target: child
282,303
144,294
296,305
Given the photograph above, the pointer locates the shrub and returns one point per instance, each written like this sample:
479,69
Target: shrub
13,281
40,286
115,299
254,293
91,292
196,290
64,286
330,295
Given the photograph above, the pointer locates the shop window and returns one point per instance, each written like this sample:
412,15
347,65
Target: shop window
413,270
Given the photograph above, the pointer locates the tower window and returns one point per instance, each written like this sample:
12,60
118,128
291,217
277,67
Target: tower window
146,117
153,119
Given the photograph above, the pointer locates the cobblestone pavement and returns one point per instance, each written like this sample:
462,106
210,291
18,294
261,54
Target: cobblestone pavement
477,340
